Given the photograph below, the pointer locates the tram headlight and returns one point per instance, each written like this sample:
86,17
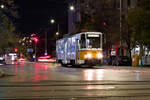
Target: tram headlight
88,55
99,55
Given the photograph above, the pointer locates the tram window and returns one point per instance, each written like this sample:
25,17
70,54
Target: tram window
93,41
83,37
83,41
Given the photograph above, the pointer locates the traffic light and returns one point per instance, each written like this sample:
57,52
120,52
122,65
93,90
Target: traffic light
15,50
35,39
104,23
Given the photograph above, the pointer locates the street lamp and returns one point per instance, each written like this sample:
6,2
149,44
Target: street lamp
2,6
57,33
72,8
52,21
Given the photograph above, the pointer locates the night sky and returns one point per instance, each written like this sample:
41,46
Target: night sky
34,14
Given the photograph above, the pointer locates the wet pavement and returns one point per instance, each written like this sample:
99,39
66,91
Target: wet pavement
42,81
1,73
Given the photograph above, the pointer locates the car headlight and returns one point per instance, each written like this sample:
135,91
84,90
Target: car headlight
99,55
89,56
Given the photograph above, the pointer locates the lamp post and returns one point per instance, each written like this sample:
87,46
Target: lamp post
121,27
71,19
52,21
45,43
35,41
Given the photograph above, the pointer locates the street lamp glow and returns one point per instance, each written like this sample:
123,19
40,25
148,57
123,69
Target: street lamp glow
52,21
2,6
57,33
72,8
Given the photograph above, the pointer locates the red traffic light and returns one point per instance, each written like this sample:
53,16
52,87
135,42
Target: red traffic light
36,39
105,23
15,50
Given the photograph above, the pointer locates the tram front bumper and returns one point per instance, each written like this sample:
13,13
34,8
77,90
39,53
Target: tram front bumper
93,61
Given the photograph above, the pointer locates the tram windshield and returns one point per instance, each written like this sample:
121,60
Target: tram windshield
90,41
93,41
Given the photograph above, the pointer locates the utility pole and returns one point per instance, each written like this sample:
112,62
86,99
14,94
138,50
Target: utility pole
35,44
121,28
58,28
35,52
45,42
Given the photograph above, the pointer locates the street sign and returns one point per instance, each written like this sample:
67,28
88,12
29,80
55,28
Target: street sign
30,50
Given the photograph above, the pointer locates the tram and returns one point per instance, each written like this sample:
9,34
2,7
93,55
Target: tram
83,48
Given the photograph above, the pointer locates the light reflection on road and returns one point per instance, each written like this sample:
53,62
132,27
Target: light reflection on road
138,77
41,71
35,72
93,74
21,63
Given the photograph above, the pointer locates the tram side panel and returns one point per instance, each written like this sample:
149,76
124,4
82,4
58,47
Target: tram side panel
60,45
66,49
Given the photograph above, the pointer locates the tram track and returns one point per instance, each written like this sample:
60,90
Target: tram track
76,90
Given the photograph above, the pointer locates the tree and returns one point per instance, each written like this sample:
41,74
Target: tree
139,24
7,28
145,4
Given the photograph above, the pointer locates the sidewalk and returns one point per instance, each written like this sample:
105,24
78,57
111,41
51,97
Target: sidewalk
1,73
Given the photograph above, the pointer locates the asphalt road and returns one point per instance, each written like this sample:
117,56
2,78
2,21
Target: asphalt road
51,81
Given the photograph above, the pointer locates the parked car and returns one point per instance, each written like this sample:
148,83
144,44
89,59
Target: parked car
122,61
